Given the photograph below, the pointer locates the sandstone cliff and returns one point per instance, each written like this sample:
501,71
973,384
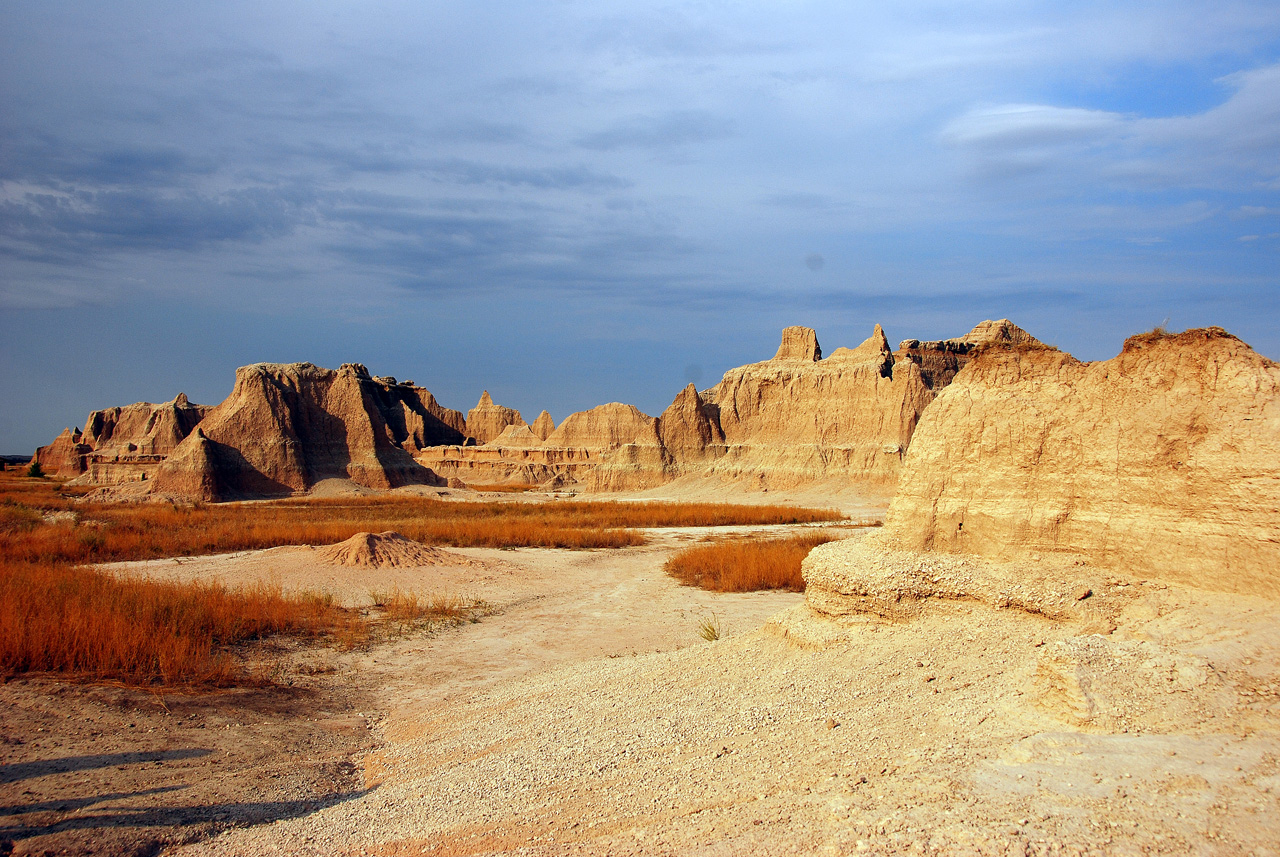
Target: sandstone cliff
940,360
543,426
486,420
287,426
65,457
568,455
121,444
1163,461
143,428
605,427
792,419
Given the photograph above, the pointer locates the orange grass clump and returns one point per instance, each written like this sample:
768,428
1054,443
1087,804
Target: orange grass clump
746,566
56,618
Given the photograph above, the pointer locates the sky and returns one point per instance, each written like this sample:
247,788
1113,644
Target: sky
570,203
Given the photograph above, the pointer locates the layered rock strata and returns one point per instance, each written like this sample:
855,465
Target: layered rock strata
285,427
121,444
1163,461
797,418
486,420
940,360
568,453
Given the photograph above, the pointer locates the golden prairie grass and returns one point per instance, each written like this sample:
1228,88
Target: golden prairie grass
64,619
748,565
57,616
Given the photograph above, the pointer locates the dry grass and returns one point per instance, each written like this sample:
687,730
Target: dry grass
57,616
747,565
409,610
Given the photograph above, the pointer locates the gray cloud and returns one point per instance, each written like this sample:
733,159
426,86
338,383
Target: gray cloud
679,128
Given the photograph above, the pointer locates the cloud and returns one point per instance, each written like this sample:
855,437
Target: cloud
543,178
677,128
1017,126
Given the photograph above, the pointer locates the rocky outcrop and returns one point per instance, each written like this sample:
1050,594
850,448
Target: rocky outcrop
1163,461
121,444
65,457
799,344
605,427
940,360
687,430
285,427
788,421
543,426
142,428
486,420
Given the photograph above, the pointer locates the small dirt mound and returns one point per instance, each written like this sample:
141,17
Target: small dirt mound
386,550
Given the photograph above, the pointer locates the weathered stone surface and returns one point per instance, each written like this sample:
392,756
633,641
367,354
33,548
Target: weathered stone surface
850,416
940,360
543,426
65,457
142,428
799,344
1163,461
874,349
604,428
516,437
686,430
486,420
287,426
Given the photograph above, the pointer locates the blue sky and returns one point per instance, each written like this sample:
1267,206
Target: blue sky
571,203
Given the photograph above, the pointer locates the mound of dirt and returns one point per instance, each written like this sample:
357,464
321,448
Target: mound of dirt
386,550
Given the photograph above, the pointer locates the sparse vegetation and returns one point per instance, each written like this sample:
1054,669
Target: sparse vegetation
748,565
58,616
709,628
409,610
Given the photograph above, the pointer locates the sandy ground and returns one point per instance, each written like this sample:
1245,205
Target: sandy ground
91,769
584,715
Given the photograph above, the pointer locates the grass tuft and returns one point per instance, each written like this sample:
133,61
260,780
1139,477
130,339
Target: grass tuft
745,565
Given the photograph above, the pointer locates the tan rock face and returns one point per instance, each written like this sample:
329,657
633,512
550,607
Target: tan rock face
543,426
940,360
122,444
65,457
799,344
1163,461
604,428
686,429
287,426
486,420
143,428
851,415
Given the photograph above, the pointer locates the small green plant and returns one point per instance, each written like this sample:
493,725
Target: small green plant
709,628
34,470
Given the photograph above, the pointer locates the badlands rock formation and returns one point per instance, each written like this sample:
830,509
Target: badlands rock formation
566,455
797,418
940,360
794,419
486,420
285,427
122,444
1164,461
543,426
